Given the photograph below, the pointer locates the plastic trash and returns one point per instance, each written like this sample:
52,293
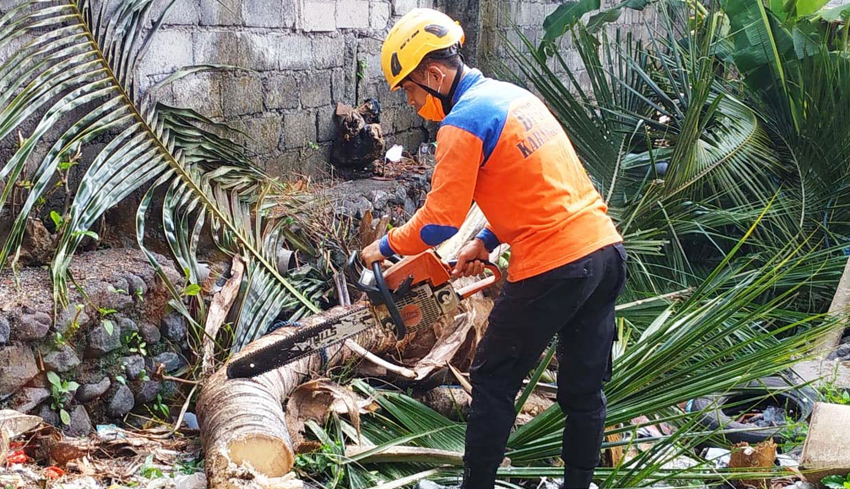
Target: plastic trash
773,416
190,421
109,432
394,154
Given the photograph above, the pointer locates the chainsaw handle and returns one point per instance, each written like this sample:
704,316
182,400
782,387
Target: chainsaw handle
351,268
481,284
400,329
380,289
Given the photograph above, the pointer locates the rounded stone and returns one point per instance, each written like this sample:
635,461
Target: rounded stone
146,391
68,316
173,327
150,333
126,326
172,361
18,367
90,392
29,398
122,402
31,327
4,330
135,285
409,206
80,424
49,415
400,194
120,284
61,360
134,365
101,342
380,199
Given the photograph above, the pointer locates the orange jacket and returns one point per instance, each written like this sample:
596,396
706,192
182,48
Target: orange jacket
501,147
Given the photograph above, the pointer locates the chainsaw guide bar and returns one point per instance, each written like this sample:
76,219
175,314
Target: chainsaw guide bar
303,342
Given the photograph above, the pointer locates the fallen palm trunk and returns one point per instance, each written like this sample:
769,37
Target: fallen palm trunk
242,421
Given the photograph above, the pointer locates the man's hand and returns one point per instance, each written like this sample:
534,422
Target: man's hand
466,266
372,254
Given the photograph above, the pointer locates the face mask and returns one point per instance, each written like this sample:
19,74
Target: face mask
433,108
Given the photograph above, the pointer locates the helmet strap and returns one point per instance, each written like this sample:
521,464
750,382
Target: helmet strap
446,100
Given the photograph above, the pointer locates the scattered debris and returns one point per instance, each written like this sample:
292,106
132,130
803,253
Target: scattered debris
720,457
14,424
771,416
771,404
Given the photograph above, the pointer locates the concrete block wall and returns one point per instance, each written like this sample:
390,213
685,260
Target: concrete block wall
299,57
498,18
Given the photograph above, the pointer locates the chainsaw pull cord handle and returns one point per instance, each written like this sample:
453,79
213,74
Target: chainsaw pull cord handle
473,288
400,329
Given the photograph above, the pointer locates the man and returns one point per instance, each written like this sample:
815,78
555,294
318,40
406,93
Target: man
500,146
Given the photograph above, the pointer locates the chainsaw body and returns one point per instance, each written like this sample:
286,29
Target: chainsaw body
414,292
420,290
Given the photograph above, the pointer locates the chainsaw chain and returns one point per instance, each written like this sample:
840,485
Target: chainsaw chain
279,353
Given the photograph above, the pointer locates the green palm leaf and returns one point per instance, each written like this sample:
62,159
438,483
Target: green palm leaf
77,72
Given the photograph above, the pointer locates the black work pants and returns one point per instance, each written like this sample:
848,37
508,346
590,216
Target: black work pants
575,301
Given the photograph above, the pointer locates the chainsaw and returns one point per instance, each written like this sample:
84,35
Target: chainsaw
413,293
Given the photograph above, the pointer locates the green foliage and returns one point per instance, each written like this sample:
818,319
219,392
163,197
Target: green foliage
116,291
568,14
717,337
59,340
60,393
191,466
361,70
192,290
90,234
565,17
109,326
148,470
136,344
57,220
834,14
836,481
833,394
160,410
327,460
794,432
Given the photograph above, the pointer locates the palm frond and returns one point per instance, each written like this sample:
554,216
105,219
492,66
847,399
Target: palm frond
77,73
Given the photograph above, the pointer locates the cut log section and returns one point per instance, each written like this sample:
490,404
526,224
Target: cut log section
242,421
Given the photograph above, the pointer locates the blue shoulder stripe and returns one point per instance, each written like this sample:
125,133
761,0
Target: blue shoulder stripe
482,108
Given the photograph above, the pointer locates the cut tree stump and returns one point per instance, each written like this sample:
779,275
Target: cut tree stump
744,456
